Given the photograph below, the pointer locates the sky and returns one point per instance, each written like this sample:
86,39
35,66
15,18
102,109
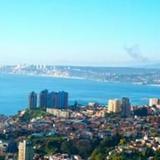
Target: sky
80,32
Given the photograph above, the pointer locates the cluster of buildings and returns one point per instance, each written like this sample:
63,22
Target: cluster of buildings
138,145
85,122
24,149
48,99
117,106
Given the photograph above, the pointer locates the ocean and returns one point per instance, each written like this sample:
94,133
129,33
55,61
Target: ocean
14,90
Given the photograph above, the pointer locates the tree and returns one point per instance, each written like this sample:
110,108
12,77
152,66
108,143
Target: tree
68,147
84,148
157,155
97,155
122,141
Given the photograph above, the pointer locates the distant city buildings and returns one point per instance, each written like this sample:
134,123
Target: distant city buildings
49,100
25,151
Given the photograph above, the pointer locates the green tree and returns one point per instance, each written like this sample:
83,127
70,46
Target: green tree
84,148
68,147
122,141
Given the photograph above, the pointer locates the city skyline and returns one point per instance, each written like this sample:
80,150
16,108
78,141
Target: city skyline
80,80
79,33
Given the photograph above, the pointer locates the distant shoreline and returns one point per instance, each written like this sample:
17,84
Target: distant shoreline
82,78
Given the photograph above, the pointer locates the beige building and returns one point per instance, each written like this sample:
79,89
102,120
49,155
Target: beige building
25,151
101,113
59,112
154,101
114,105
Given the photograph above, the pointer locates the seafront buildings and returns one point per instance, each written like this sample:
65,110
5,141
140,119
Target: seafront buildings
83,124
52,99
79,128
62,99
32,100
43,99
49,99
120,106
126,107
114,105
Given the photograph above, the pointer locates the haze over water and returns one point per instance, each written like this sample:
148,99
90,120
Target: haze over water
15,89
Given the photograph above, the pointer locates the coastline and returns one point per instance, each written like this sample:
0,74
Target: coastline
81,78
16,87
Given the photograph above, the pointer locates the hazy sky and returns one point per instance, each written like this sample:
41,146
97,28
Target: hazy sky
79,32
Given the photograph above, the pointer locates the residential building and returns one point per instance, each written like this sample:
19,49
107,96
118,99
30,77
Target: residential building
59,112
114,105
62,99
43,99
154,102
25,151
32,100
126,107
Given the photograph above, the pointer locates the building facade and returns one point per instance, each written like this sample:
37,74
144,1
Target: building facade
43,99
32,100
58,100
114,105
25,151
63,99
154,102
49,99
126,107
60,113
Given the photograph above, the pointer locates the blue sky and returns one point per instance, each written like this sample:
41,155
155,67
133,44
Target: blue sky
79,32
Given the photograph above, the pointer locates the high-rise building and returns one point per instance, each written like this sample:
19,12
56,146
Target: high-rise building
62,99
43,99
52,99
154,102
58,99
25,151
114,105
126,107
32,100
